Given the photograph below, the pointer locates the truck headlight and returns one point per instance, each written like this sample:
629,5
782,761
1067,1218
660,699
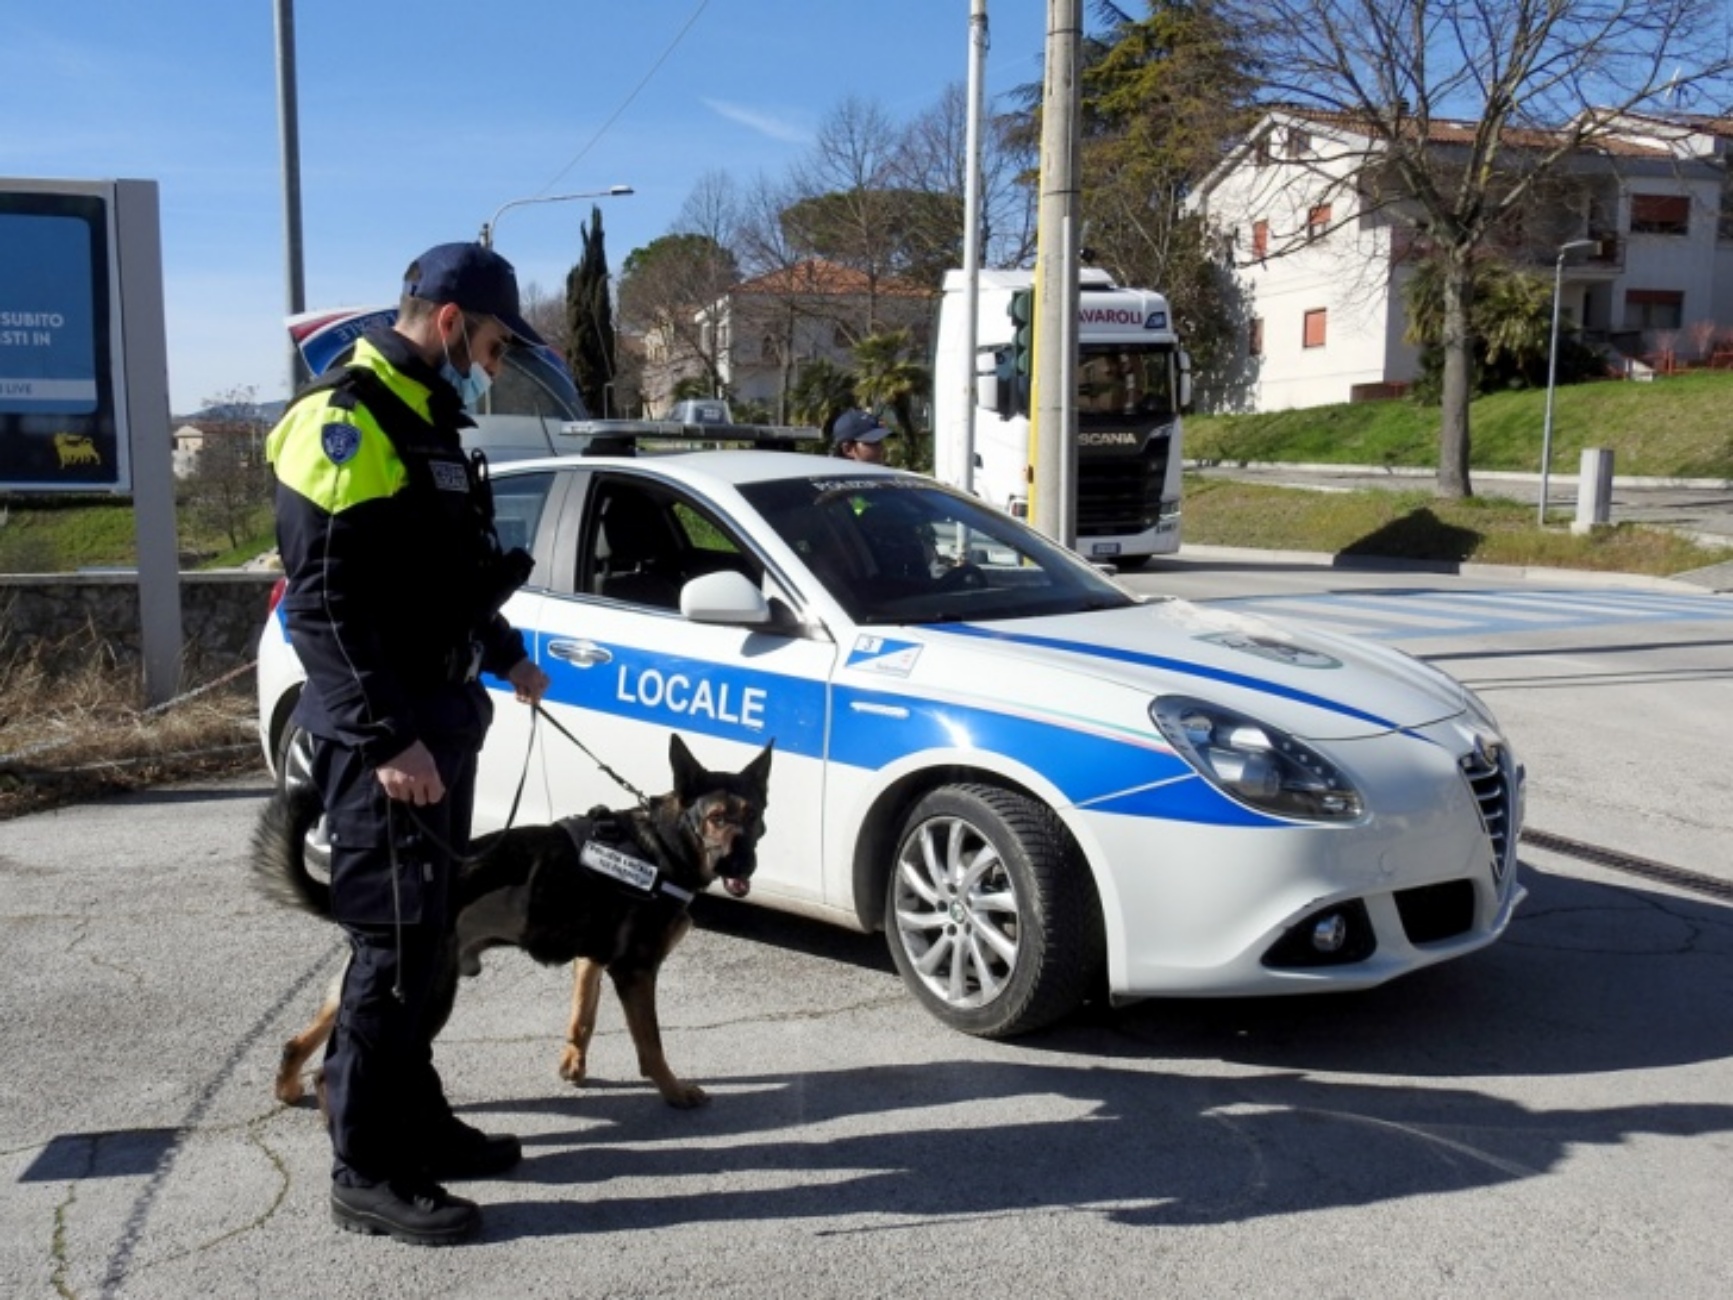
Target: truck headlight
1254,763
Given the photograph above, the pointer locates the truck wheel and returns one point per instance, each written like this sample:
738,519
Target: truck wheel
992,919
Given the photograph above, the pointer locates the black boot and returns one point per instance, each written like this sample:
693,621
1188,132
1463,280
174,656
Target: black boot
420,1213
463,1151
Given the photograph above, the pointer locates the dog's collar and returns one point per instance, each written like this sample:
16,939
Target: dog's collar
635,873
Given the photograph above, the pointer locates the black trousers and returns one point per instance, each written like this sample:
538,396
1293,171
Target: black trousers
391,887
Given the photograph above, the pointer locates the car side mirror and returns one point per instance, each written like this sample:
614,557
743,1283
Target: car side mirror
724,597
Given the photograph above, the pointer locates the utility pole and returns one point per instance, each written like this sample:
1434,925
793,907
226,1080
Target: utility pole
288,121
972,231
1053,415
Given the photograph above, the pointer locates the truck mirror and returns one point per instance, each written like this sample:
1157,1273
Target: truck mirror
993,381
1184,382
993,394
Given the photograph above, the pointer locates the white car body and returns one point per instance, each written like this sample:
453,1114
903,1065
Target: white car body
1049,715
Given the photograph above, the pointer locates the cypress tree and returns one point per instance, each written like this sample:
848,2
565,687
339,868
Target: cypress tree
590,319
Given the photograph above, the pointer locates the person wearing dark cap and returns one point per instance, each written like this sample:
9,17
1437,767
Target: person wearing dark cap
858,435
394,581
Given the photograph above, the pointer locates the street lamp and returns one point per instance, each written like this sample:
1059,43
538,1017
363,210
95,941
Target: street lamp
487,227
1552,368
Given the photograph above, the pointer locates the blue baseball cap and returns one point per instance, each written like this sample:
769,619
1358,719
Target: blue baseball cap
473,279
858,426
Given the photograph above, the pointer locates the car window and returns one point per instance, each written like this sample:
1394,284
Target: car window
533,382
518,500
906,550
643,543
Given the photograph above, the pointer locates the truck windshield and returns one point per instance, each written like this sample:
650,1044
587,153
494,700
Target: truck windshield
1125,381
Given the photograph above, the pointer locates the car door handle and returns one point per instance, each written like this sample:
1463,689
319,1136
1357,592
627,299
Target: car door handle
584,654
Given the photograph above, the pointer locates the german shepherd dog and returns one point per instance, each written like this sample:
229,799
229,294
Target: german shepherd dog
608,891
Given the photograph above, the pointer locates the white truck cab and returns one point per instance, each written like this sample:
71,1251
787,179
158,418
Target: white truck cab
1133,382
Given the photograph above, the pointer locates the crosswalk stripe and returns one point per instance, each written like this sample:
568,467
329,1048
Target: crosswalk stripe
1433,613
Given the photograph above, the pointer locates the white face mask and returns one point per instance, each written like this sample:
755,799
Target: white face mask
471,388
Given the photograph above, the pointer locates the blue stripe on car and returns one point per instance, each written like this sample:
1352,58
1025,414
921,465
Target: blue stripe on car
1088,650
730,703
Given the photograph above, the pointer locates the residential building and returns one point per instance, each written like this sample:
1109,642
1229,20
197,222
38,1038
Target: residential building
757,336
1321,256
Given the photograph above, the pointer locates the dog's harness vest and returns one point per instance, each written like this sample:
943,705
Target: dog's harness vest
607,847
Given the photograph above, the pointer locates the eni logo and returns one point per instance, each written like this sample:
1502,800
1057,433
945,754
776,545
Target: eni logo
75,449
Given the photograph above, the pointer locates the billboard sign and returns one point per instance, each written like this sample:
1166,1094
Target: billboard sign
62,386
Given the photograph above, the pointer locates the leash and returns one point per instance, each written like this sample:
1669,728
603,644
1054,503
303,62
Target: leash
642,798
537,712
510,817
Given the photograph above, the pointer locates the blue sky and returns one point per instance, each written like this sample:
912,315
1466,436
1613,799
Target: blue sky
419,118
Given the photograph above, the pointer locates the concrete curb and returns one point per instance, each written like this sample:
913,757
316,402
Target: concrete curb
1493,475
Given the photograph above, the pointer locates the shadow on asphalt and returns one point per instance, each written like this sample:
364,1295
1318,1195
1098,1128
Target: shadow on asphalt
1135,1147
1590,978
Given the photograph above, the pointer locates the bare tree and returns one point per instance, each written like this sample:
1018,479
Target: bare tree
839,190
668,288
932,157
1462,107
786,302
546,314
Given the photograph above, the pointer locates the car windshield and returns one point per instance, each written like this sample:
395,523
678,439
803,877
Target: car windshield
907,550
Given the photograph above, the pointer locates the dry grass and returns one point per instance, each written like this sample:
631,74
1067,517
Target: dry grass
73,726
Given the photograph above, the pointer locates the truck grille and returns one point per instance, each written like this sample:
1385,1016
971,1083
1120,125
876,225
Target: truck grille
1121,493
1484,769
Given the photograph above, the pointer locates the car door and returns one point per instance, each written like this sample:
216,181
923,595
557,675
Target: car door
627,669
526,514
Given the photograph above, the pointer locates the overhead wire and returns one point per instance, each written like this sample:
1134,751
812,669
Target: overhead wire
627,102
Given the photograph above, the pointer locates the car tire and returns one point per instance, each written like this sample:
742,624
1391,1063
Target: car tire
295,770
294,757
991,917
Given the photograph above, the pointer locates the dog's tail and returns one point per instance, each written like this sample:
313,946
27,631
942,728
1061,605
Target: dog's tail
280,851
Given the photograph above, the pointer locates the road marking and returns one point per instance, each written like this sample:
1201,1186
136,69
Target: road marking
1428,612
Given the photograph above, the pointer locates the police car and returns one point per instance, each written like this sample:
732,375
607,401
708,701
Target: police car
1035,783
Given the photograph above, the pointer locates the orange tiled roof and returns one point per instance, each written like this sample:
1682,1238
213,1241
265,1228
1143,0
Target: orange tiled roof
1458,131
817,276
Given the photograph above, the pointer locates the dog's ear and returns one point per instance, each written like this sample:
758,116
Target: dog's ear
758,770
688,771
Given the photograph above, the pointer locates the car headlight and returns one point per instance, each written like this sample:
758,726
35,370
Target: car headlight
1255,763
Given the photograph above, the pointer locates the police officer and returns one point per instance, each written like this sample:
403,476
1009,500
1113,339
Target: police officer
395,578
859,435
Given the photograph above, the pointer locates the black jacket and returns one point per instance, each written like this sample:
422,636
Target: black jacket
394,572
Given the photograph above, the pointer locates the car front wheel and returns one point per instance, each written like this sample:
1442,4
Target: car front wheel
991,917
295,771
294,757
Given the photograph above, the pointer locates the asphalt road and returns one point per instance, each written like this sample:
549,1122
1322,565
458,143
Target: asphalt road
1549,1117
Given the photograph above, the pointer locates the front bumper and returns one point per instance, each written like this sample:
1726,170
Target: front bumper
1428,875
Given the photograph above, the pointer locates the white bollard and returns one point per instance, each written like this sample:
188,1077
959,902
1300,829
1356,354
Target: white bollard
1594,489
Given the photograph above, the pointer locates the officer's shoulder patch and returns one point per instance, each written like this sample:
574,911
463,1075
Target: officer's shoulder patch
449,476
341,442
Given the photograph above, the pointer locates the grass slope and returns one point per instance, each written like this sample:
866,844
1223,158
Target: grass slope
1675,427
